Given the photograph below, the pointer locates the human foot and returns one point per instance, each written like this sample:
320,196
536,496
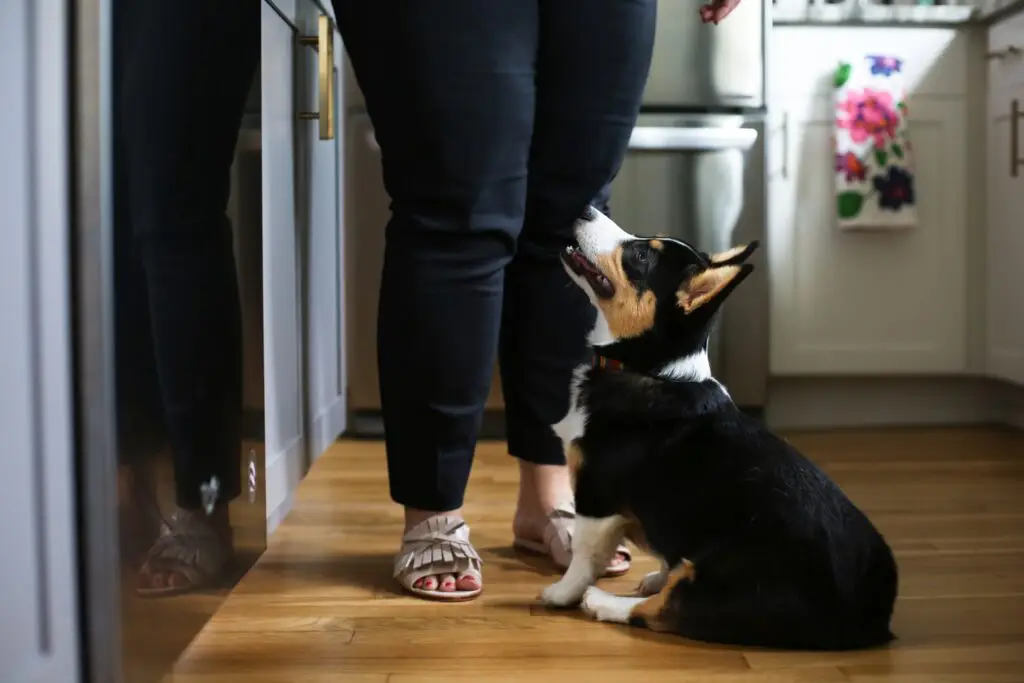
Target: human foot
192,552
545,513
551,535
436,560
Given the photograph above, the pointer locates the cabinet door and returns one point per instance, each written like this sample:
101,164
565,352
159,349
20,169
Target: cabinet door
1005,207
284,392
319,191
845,302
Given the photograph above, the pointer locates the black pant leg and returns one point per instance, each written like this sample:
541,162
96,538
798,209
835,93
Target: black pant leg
449,87
592,66
186,69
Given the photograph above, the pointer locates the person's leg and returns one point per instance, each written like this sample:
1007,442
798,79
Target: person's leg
450,90
187,68
591,70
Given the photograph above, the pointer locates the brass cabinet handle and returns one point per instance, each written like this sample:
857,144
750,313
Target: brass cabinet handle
1008,51
323,43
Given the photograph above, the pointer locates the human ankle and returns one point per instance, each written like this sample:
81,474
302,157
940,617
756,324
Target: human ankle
542,488
414,516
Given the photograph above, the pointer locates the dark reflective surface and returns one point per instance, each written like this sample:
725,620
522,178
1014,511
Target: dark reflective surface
188,318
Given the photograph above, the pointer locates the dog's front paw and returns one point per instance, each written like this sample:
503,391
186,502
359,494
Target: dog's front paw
652,583
562,594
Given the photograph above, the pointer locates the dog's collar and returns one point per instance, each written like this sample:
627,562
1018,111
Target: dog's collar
607,363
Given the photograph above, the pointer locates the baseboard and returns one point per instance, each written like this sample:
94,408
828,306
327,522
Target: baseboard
327,426
277,515
368,424
1009,404
840,402
283,472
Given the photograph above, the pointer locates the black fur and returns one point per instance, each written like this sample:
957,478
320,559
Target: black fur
782,557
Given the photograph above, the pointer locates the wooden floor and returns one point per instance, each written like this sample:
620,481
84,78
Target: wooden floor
320,605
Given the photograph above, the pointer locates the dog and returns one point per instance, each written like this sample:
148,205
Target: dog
758,546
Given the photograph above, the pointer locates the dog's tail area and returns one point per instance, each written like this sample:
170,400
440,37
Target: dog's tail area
763,596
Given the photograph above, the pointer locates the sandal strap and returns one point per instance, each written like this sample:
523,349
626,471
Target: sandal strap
441,540
559,530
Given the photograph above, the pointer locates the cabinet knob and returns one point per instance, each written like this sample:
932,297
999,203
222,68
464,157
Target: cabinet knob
323,44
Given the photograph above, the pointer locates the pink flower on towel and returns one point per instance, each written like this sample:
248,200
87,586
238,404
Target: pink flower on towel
870,114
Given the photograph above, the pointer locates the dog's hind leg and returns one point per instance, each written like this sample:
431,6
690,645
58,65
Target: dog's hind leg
604,606
655,612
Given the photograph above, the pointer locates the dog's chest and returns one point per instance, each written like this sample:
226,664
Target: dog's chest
574,424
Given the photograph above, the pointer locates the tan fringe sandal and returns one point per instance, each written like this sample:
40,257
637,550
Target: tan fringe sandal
437,546
557,543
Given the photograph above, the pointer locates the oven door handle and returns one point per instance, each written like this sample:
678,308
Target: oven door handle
691,139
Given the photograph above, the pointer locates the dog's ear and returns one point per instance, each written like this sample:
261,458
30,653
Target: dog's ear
734,256
710,285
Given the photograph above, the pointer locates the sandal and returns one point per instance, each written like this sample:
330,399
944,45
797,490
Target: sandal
435,547
557,543
189,546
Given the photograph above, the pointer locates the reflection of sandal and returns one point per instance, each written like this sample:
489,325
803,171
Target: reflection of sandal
557,543
435,547
188,546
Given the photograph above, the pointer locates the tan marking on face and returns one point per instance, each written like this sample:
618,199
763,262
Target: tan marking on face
629,314
704,286
657,244
655,612
724,256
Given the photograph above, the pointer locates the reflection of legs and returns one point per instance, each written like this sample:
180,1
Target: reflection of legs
450,90
186,68
592,65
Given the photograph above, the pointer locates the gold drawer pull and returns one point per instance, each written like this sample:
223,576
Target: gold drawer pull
323,43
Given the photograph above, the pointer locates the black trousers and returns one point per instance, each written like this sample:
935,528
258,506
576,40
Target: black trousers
183,69
498,122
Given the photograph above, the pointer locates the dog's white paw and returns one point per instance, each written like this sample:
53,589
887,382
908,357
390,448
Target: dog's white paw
562,593
603,606
652,583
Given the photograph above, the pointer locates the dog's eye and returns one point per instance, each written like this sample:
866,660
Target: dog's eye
641,257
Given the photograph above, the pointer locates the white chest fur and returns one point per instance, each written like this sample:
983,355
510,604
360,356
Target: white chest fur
574,424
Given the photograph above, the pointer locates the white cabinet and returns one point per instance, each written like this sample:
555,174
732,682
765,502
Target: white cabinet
303,254
1005,203
867,302
41,628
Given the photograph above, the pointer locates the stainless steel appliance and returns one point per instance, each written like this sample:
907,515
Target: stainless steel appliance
122,458
696,167
695,170
701,178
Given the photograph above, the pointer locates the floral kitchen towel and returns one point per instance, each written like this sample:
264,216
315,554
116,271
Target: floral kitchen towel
874,172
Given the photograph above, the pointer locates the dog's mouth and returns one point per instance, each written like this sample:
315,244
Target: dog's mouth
579,264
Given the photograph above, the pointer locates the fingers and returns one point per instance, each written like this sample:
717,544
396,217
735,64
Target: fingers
716,10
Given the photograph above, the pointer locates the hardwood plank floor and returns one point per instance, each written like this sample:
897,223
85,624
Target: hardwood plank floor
320,605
